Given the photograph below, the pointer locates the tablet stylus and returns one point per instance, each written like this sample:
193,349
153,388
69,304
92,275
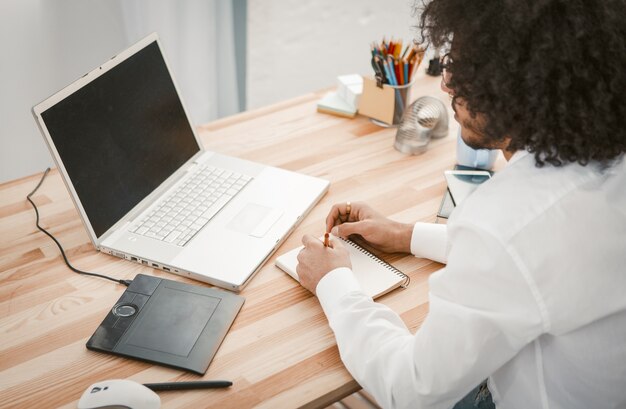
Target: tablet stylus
173,386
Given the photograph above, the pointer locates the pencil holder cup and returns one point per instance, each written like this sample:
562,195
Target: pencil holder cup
385,104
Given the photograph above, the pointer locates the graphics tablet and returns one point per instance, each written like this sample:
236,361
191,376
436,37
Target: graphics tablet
168,323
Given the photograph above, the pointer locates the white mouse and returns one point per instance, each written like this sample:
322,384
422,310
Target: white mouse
119,393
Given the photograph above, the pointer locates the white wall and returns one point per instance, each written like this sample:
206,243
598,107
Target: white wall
298,46
45,46
294,47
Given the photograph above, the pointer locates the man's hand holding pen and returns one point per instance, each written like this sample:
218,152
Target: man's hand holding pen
318,258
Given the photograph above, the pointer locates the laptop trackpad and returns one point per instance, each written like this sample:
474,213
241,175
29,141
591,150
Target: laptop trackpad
255,219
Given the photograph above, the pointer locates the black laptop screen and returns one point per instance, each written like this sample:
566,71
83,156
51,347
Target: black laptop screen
120,136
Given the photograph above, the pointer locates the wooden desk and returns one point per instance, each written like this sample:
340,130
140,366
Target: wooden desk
280,352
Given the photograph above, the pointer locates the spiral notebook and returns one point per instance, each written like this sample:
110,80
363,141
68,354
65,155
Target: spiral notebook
376,276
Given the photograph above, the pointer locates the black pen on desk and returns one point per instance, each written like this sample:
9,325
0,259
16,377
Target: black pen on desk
175,386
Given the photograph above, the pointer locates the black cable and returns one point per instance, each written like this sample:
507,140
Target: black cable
124,282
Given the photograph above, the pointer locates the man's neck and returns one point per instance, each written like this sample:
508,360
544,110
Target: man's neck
508,154
503,147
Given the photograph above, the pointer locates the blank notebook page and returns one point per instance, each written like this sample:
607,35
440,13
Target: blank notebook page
376,276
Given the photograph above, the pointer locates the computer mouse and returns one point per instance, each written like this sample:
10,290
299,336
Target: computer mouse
119,393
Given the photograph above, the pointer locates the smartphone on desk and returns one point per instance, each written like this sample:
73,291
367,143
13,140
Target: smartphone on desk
461,183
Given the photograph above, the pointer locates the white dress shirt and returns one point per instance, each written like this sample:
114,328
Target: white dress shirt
533,297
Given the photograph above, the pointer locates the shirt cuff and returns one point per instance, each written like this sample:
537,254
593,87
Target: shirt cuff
430,240
334,285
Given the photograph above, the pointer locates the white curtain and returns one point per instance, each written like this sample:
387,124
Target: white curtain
198,41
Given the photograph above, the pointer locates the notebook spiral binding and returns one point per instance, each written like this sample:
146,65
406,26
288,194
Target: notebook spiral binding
407,279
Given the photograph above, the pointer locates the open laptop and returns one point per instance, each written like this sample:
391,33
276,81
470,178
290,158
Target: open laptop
145,188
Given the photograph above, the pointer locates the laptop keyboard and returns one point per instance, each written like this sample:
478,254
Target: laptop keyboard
187,209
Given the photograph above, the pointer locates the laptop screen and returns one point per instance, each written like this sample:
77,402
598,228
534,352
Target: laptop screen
121,135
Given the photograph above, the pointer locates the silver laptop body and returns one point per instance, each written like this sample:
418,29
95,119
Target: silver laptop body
145,188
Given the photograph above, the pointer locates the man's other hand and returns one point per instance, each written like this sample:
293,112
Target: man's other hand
378,231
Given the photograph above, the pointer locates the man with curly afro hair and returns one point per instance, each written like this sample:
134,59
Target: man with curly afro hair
530,310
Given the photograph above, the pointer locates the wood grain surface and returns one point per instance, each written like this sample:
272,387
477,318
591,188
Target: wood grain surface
280,352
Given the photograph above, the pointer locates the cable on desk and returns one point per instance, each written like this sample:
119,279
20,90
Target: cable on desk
124,282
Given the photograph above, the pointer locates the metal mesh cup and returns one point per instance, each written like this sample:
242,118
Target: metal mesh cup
426,118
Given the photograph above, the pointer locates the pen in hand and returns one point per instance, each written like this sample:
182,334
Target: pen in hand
173,386
326,244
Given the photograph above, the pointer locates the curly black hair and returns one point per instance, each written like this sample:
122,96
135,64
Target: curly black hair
548,74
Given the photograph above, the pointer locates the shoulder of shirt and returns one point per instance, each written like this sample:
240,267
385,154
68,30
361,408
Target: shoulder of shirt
521,193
